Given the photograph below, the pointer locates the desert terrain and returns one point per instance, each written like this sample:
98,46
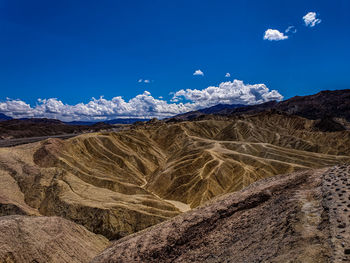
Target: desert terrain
174,131
114,184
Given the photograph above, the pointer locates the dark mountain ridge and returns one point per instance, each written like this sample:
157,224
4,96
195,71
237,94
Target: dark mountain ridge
4,117
113,121
216,109
36,127
323,105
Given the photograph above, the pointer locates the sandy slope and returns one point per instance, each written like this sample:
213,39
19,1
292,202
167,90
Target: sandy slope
46,239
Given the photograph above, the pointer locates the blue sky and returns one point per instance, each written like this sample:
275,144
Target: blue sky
76,50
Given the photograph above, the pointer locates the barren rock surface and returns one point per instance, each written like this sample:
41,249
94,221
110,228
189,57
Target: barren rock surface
299,217
46,239
336,194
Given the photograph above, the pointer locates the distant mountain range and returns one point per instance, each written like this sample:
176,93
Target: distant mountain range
114,121
3,117
35,127
323,105
217,109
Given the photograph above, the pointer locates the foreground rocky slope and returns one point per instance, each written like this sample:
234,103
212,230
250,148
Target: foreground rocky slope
46,239
299,217
116,184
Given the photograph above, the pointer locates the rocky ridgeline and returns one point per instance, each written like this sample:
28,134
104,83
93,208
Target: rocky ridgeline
336,193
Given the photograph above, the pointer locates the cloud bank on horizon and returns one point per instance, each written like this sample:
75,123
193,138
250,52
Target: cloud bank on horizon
143,105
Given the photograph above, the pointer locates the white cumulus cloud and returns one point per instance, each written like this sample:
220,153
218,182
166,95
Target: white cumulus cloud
311,20
235,92
198,72
227,75
274,35
143,105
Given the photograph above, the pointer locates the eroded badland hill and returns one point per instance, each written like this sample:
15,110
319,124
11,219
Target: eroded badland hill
116,184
